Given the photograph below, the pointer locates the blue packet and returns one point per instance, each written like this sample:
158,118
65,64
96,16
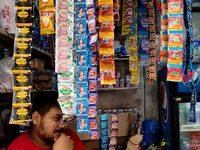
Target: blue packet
92,26
144,43
81,42
82,124
104,147
80,1
143,19
104,117
89,60
104,125
81,74
92,110
81,27
142,4
104,132
93,124
94,135
90,12
82,90
82,107
81,58
80,11
92,73
93,98
105,140
93,84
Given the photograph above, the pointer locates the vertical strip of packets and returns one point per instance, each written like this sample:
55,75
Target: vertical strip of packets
81,67
21,104
151,69
106,42
163,34
92,69
175,40
114,131
133,47
64,64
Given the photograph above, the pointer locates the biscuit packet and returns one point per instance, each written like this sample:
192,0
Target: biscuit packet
44,3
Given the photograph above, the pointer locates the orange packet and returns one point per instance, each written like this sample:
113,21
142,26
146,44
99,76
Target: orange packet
47,15
44,3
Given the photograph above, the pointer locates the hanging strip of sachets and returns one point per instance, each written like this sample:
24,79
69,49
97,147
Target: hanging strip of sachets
104,131
133,47
64,65
163,33
21,104
151,69
114,131
81,67
189,51
175,40
92,69
106,42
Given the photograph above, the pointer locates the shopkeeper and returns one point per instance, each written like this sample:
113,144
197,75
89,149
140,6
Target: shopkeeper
46,131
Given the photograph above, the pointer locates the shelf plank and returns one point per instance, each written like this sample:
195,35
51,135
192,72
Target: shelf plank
118,88
33,90
121,59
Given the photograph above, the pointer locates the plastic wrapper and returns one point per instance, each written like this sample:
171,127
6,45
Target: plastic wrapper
62,4
62,65
24,32
21,63
23,16
45,3
80,11
81,58
82,107
24,3
91,12
93,98
82,124
62,27
92,111
20,115
22,48
94,135
81,27
81,43
68,107
82,90
62,15
92,73
65,90
47,20
67,76
81,74
21,97
107,76
22,80
64,53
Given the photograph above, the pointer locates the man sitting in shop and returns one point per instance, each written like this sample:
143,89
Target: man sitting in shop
47,131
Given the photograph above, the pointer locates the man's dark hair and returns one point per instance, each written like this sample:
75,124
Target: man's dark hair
44,101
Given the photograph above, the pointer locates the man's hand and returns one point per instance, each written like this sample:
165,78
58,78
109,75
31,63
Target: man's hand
63,143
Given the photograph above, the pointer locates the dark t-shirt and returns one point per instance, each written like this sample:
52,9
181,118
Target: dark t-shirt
24,143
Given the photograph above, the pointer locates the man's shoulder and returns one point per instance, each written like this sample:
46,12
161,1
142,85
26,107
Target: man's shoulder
19,142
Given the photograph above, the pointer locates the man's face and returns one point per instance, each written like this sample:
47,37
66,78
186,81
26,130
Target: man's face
49,126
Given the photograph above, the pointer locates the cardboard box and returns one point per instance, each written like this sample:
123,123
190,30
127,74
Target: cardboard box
125,121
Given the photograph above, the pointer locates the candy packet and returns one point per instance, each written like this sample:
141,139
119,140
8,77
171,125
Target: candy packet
45,3
82,107
81,58
93,98
81,27
82,90
65,90
81,74
67,76
80,11
82,124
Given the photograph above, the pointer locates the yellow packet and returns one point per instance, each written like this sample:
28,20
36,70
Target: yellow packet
103,51
47,20
102,2
135,77
44,3
107,76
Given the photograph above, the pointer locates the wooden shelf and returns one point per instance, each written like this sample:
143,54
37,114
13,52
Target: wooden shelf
119,88
121,59
34,90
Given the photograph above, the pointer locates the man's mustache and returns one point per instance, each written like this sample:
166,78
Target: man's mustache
60,130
